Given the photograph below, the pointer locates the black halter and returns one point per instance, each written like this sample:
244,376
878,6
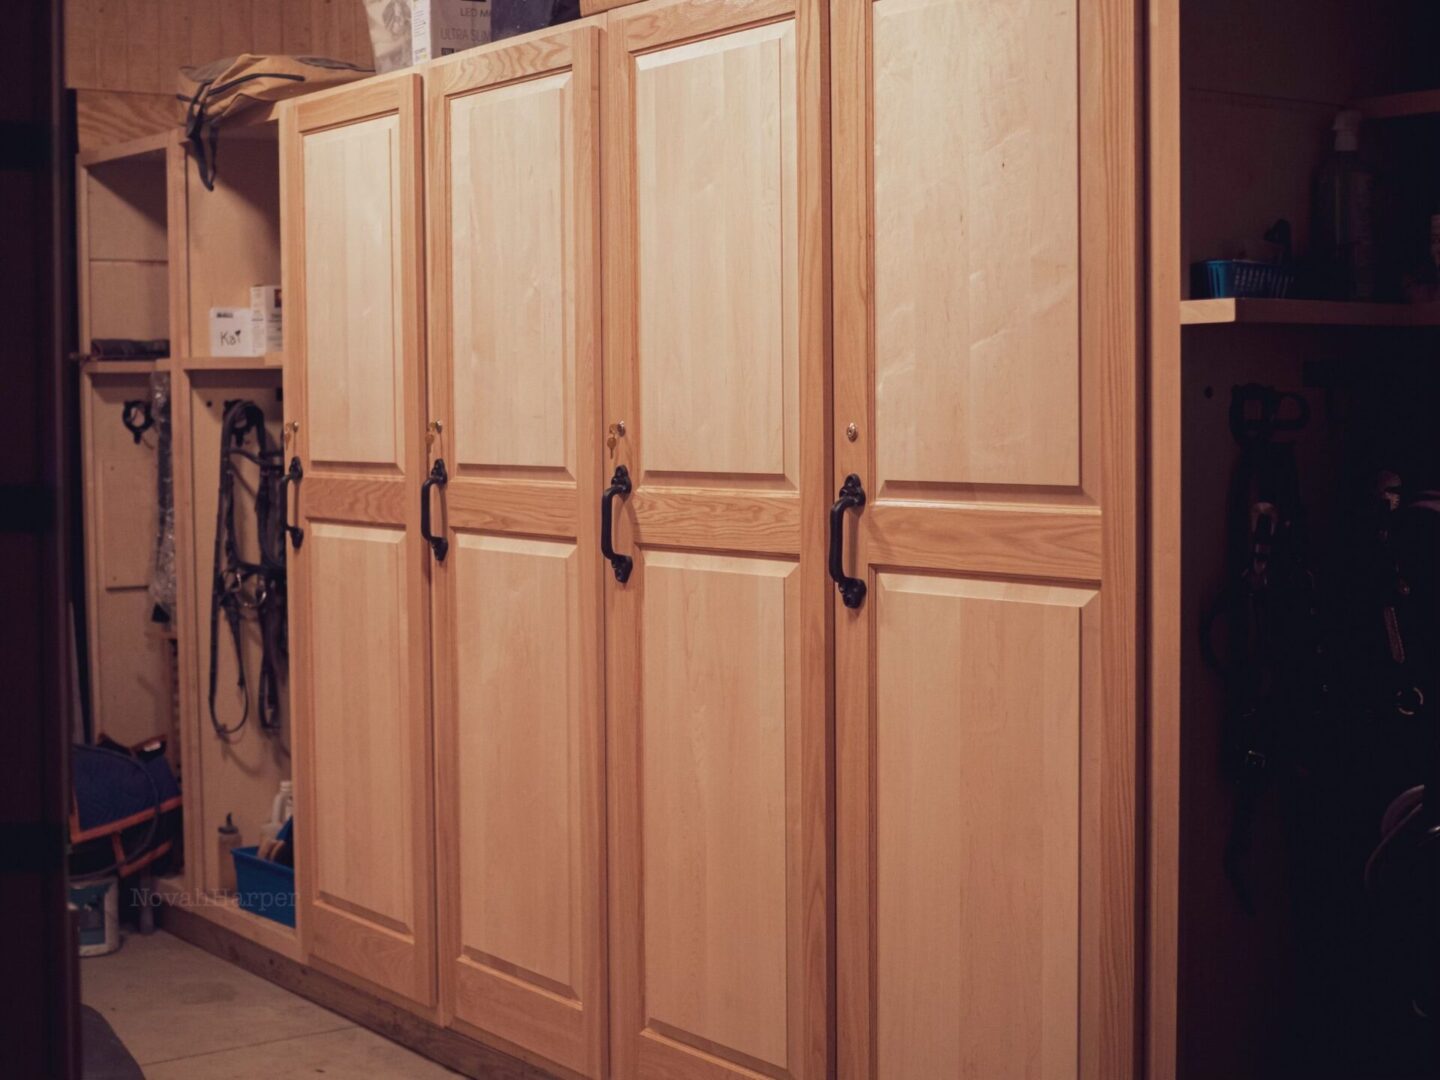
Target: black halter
238,585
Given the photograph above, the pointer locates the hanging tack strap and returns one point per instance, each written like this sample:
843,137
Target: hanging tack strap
1262,634
239,586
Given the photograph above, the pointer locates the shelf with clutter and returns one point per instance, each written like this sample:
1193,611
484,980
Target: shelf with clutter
1298,263
180,322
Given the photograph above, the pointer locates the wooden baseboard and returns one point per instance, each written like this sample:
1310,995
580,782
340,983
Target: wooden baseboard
449,1048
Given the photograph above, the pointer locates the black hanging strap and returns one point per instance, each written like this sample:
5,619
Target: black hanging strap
239,586
1262,633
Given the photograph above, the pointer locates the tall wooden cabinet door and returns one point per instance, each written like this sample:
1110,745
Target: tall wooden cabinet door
514,367
717,633
986,338
359,609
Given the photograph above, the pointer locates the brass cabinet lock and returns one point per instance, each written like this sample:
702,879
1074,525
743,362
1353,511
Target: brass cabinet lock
616,432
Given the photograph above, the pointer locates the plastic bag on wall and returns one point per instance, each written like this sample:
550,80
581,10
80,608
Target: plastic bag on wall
162,570
389,32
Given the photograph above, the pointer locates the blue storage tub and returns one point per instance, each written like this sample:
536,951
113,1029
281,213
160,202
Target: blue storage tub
265,888
1222,278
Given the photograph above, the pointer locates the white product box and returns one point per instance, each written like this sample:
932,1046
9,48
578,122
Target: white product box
232,333
267,326
442,27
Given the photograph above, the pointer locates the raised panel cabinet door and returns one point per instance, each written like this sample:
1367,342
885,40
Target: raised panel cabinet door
717,639
986,397
359,608
515,388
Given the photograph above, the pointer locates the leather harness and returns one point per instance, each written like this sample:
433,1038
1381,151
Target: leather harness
240,586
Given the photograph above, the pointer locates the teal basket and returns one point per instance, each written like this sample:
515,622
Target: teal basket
264,888
1216,279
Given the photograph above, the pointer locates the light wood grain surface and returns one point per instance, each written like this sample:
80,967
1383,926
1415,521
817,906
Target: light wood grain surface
717,646
140,45
976,243
977,775
130,691
514,383
123,57
233,233
352,208
985,351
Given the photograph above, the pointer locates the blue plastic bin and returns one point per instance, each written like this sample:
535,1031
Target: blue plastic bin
265,888
1218,278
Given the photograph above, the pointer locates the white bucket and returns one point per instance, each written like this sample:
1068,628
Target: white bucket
95,907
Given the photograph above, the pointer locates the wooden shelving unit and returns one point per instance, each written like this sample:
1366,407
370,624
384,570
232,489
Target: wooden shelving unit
1242,113
1307,313
157,250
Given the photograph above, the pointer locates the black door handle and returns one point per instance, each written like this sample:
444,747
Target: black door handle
293,476
619,485
852,590
438,544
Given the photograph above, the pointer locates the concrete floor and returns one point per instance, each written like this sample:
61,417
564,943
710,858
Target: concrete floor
184,1013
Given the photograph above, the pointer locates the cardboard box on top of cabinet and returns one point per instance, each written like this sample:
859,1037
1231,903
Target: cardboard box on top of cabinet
442,27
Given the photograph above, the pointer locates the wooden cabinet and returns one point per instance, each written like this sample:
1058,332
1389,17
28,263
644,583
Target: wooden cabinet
986,398
641,867
717,644
359,590
514,383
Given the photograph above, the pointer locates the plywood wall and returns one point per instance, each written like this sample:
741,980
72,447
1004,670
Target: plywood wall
122,56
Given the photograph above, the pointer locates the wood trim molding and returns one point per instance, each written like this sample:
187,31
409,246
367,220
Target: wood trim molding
1164,628
595,7
1112,305
449,1048
658,25
352,103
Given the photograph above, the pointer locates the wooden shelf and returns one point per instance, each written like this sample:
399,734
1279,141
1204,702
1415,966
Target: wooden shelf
146,147
120,367
1307,313
268,362
1390,106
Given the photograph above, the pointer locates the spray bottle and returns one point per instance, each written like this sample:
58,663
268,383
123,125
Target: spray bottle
1343,240
227,840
